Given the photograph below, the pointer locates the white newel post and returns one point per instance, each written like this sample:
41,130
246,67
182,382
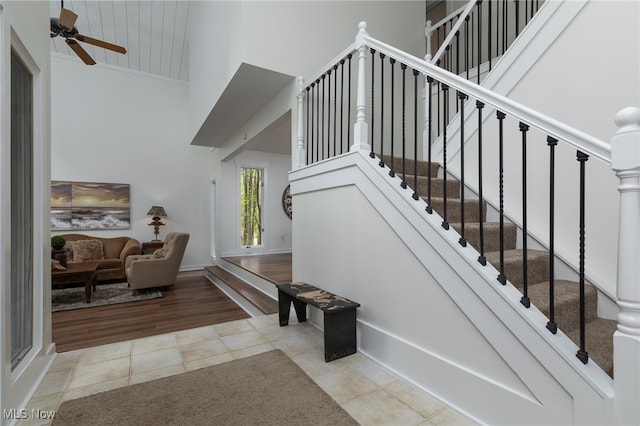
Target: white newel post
360,130
426,129
625,161
300,151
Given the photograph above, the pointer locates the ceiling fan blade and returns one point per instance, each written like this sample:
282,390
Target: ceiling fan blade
80,52
101,43
67,19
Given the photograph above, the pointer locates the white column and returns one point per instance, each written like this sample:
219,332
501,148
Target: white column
300,151
625,161
361,130
427,36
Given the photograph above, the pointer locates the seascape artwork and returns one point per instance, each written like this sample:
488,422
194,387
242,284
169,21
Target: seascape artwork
89,206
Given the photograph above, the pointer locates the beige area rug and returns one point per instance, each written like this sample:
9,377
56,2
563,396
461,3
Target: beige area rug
65,299
263,389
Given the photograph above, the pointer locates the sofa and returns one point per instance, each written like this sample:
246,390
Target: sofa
159,269
110,253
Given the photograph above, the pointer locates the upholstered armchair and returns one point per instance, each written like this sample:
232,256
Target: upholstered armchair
160,268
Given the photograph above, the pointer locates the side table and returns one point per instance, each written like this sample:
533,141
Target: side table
150,246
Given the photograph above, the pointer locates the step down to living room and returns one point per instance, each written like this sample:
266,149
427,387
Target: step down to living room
251,280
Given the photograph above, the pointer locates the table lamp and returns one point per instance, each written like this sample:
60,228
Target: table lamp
157,212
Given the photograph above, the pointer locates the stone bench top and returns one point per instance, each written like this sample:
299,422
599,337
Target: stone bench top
322,299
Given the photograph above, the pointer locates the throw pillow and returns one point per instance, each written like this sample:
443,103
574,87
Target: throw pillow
87,250
56,266
161,252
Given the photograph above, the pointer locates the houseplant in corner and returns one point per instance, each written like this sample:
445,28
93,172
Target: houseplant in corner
57,249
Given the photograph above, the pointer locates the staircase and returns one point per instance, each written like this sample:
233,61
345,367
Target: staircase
598,331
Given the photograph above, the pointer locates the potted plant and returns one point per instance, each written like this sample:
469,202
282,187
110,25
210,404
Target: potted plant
57,249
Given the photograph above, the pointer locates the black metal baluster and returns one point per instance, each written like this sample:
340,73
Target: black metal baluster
308,146
349,56
314,119
479,4
322,119
462,97
526,302
457,41
489,29
429,209
381,162
582,354
392,61
329,114
466,45
482,259
505,24
551,324
403,184
517,16
445,116
438,107
415,135
335,108
373,85
502,278
341,106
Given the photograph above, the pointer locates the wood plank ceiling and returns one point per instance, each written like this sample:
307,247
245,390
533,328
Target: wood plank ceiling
154,32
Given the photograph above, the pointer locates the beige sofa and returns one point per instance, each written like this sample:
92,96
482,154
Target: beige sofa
159,269
110,253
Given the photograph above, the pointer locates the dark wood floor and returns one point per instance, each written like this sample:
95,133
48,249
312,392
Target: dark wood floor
193,302
272,267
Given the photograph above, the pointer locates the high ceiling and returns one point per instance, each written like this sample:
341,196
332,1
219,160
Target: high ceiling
154,33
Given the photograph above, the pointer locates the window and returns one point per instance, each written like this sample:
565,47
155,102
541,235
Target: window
21,209
251,195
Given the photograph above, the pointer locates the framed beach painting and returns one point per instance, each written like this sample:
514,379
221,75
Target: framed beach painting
89,205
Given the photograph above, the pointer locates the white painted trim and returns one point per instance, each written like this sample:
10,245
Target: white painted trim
542,361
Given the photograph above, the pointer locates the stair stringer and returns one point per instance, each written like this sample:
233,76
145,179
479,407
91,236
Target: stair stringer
535,372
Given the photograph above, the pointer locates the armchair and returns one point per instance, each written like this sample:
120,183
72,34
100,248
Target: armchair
160,268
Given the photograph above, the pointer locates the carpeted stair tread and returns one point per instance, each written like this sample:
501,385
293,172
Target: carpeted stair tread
537,265
437,186
491,235
454,214
424,167
598,342
566,296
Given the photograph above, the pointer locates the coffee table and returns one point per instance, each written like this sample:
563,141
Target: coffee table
81,272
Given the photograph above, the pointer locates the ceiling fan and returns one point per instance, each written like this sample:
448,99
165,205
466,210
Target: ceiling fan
65,26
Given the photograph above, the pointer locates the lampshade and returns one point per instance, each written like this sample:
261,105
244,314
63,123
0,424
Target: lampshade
157,211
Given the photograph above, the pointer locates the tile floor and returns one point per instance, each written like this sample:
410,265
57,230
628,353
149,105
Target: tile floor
369,393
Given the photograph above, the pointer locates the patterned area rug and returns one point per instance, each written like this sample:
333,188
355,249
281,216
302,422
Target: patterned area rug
65,299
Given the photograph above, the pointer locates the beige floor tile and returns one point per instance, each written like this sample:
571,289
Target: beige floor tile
252,350
54,382
233,327
203,349
449,417
197,335
243,340
381,408
345,384
264,321
92,374
371,369
39,411
209,361
66,361
415,398
154,343
162,358
297,344
95,388
157,373
105,353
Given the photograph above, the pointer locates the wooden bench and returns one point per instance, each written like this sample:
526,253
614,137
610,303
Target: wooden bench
339,316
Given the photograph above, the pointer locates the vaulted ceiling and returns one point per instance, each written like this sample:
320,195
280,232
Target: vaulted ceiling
154,32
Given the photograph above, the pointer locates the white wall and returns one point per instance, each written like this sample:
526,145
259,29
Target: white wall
25,27
112,125
291,37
